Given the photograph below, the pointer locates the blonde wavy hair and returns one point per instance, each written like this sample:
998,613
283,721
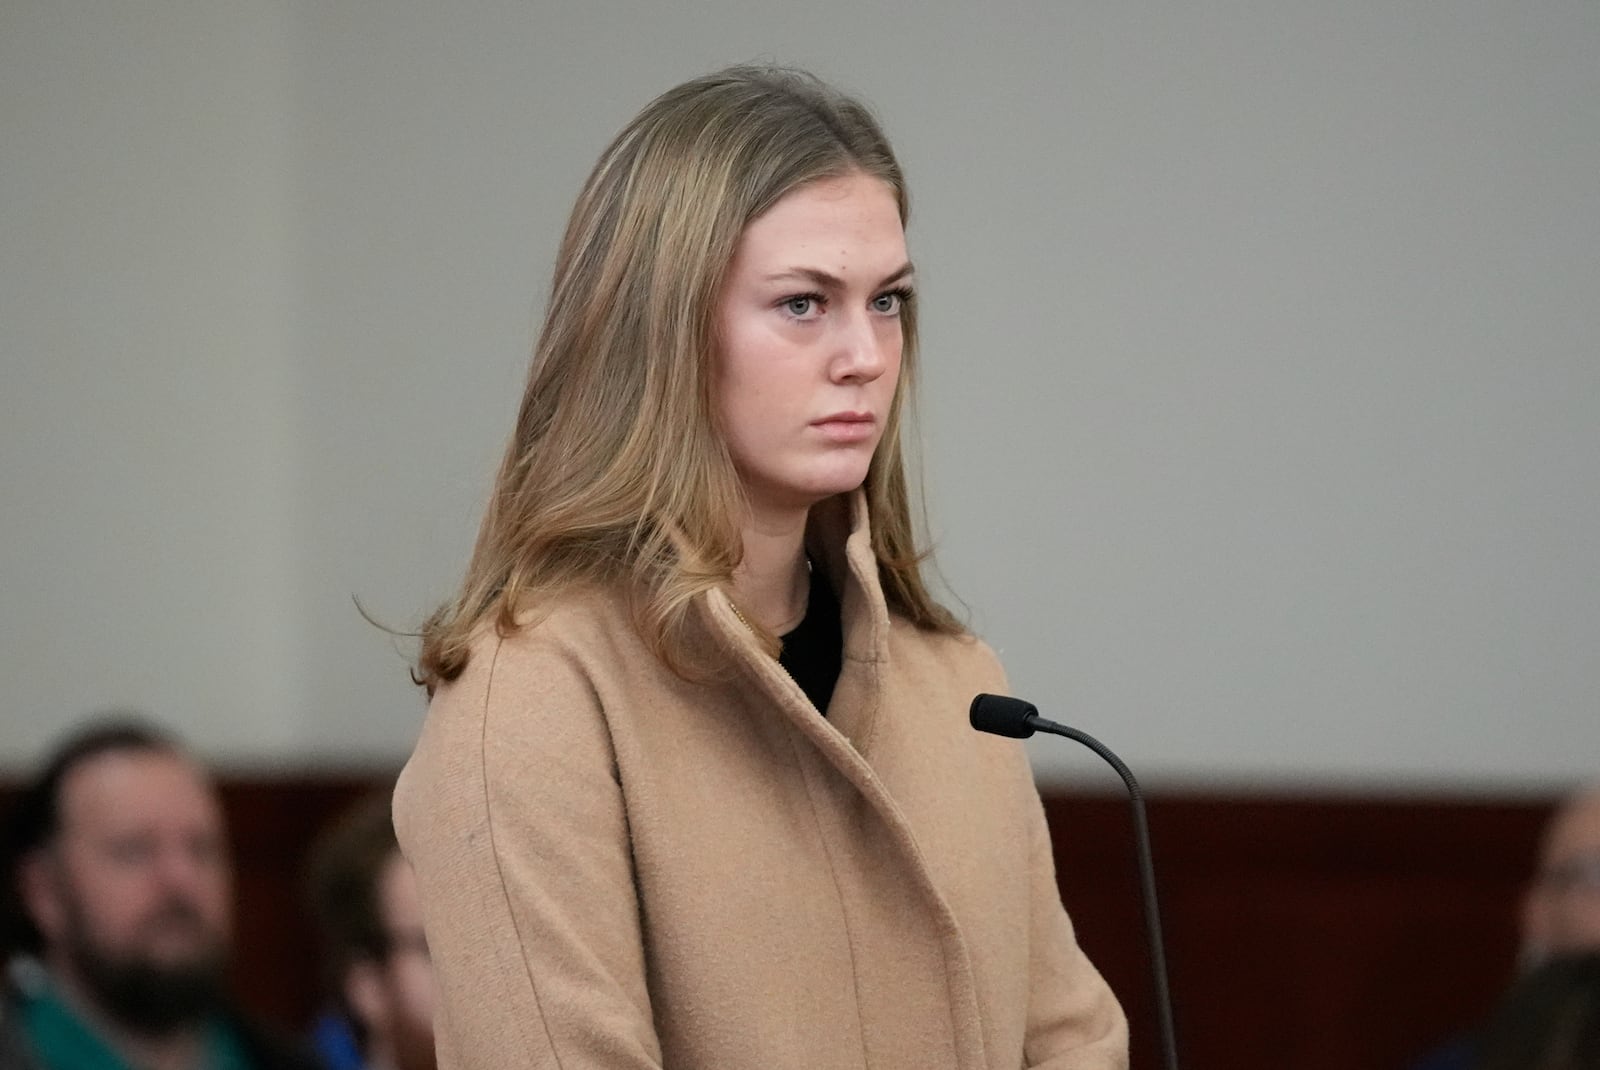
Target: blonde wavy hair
616,471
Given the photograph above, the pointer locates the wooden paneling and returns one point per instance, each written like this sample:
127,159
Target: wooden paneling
276,972
1304,933
1318,934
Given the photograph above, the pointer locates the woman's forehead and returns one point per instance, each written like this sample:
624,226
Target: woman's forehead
848,226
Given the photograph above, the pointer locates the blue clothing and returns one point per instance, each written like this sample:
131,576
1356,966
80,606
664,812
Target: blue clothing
335,1043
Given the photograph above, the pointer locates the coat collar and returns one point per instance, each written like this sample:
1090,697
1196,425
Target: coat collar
839,540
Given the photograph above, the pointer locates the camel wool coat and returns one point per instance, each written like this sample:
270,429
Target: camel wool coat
620,868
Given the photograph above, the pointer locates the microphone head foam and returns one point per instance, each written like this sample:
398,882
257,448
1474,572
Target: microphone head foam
1002,715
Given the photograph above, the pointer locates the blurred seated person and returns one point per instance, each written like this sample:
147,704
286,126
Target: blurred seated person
1550,1020
364,897
120,888
1560,908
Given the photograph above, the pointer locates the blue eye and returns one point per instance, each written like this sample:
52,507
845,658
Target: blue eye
891,303
802,306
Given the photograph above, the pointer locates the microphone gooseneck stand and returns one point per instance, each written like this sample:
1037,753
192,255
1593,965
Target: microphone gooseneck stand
1004,716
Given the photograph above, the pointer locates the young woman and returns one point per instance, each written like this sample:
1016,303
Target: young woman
696,788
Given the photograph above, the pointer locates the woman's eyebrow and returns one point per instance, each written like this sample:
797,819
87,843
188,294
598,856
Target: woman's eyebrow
828,281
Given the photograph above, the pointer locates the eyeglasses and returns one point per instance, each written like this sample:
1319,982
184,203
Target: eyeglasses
403,942
1574,874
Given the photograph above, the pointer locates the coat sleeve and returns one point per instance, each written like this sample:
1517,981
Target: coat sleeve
1074,1020
511,813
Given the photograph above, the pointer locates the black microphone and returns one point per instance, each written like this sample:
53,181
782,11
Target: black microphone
1003,716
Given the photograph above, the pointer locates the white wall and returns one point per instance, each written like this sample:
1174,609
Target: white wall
146,510
1261,396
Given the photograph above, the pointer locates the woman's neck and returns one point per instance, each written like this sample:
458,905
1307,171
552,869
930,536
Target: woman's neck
773,582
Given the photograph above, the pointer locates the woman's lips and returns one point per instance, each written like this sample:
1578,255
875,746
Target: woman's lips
847,426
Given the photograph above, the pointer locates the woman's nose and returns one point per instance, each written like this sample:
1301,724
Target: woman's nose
864,348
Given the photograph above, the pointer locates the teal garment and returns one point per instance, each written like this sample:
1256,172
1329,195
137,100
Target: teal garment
62,1041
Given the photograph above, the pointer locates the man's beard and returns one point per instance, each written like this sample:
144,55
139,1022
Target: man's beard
145,995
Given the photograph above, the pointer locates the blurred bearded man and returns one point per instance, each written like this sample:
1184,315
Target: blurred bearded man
120,870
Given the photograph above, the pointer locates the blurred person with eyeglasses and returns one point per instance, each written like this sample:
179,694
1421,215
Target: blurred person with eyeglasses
1560,914
1561,908
380,976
